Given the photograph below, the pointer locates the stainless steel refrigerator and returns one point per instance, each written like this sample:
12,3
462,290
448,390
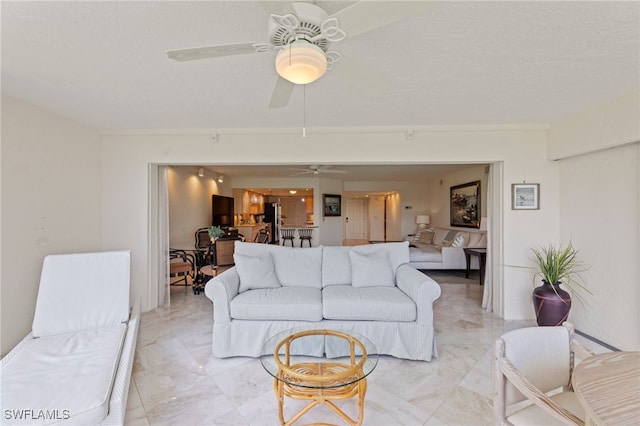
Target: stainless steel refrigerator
273,215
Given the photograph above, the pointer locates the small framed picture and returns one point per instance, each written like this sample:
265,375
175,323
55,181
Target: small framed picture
332,204
525,196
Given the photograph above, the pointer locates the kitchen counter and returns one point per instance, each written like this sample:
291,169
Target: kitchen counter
251,230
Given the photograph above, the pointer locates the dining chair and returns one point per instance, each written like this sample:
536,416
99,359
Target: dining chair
262,236
181,265
536,364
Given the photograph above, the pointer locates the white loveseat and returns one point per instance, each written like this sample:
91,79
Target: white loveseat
441,248
368,289
75,365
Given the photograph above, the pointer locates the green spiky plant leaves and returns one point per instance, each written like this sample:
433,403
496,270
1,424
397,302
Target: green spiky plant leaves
560,265
215,232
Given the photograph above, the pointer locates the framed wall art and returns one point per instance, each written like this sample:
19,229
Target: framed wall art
464,209
525,196
331,205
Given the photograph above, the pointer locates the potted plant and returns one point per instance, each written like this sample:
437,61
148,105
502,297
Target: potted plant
556,266
215,232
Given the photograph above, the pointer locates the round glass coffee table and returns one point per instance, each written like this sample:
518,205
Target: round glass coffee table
319,366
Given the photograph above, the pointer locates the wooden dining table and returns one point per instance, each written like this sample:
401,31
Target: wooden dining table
608,387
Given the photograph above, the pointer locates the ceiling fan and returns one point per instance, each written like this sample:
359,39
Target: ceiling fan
315,170
302,33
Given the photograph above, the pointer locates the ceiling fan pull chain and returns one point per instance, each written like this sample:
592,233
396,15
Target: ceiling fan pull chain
304,111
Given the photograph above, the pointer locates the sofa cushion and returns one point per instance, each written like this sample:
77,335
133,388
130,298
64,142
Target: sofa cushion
371,269
426,237
398,252
256,272
336,265
295,267
448,239
278,304
461,239
439,235
425,253
367,304
73,373
82,291
298,267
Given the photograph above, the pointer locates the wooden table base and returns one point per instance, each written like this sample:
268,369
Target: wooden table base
320,396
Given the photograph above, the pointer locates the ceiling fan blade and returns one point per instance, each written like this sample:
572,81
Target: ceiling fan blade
277,7
281,93
364,78
301,173
211,51
365,16
333,171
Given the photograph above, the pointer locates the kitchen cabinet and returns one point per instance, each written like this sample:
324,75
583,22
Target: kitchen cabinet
247,202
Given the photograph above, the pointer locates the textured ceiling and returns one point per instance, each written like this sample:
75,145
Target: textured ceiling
104,64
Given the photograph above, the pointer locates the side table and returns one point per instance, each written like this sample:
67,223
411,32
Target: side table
301,370
481,254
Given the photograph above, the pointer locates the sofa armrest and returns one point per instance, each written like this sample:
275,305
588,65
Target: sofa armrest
453,258
421,289
221,290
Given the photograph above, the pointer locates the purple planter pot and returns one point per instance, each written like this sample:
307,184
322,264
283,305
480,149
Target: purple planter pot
552,307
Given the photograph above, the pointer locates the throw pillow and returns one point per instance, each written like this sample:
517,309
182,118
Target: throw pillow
474,239
458,241
371,270
256,272
426,237
446,243
450,235
416,237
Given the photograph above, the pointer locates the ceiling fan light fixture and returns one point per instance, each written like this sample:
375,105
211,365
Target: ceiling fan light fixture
301,62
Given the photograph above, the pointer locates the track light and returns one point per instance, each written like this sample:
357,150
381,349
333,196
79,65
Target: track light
221,179
201,172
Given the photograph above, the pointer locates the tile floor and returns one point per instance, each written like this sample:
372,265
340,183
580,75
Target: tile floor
176,380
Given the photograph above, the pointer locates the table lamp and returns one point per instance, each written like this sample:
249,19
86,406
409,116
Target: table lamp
422,220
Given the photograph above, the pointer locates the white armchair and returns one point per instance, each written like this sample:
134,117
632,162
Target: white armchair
536,364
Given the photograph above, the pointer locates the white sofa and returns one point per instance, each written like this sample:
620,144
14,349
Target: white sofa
368,289
441,248
75,365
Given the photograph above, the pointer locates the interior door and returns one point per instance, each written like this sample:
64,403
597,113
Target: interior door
355,219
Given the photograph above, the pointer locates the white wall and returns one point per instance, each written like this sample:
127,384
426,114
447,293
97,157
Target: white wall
599,212
190,203
521,148
412,198
440,193
63,161
331,226
376,217
51,203
606,233
127,158
604,126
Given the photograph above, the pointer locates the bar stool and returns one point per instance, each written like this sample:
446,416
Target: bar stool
305,235
288,235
